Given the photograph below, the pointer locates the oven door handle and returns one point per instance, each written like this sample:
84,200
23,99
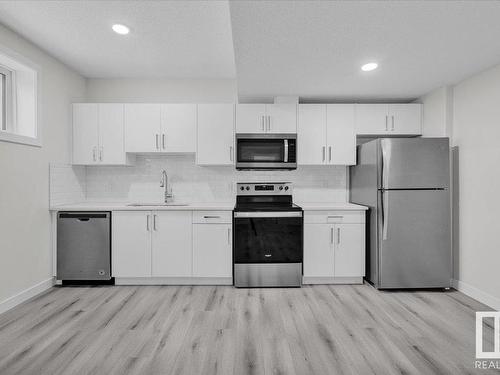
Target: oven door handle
238,215
285,159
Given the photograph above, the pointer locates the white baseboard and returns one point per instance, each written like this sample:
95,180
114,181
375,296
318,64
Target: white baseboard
332,280
173,281
26,294
477,294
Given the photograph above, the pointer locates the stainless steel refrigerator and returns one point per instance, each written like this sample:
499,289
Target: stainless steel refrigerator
405,183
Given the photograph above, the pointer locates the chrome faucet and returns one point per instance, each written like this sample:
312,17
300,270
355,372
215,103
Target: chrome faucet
164,184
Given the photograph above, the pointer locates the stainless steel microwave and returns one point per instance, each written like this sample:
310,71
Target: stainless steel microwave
266,151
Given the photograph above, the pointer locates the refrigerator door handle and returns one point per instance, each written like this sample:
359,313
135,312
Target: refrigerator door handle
385,213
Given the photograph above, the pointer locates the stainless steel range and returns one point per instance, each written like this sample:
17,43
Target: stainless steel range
268,236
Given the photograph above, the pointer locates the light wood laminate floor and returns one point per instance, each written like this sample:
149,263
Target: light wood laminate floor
318,329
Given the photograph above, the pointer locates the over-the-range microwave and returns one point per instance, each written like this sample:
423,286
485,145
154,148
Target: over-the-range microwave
266,151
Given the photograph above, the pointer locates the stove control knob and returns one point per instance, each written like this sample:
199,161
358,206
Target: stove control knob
242,188
248,187
286,187
281,188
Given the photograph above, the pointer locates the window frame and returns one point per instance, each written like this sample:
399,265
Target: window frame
10,61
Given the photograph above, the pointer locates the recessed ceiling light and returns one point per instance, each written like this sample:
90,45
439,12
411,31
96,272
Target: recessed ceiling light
120,29
369,67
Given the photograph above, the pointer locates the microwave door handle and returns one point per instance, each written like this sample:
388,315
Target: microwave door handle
285,159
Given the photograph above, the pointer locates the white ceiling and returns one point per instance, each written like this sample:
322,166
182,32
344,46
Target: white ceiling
312,49
176,39
315,48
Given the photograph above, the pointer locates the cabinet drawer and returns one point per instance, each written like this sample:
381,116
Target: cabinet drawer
212,217
334,217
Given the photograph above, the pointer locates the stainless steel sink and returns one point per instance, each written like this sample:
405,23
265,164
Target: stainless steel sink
158,204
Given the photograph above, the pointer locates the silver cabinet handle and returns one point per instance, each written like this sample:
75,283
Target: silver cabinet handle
154,222
324,150
231,153
331,235
163,141
392,122
386,123
269,123
94,150
338,236
147,223
335,217
101,151
211,217
229,236
262,122
157,147
329,153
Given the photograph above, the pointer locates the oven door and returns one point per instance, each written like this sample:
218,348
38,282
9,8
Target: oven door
268,237
269,151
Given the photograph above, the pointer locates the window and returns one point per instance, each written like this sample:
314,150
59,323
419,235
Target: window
18,100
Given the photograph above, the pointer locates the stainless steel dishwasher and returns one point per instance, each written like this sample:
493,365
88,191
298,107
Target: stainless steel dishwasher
84,246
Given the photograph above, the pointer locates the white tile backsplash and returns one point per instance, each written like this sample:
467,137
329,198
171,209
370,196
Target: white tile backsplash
67,184
193,183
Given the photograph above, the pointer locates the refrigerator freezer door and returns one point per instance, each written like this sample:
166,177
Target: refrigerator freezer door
413,163
414,239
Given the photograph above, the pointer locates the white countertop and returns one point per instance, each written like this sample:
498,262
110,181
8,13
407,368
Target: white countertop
200,206
342,206
123,206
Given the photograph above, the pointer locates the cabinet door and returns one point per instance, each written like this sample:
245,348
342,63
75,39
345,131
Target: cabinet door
172,244
111,134
318,250
178,124
405,119
215,134
311,134
250,118
349,250
131,245
142,127
85,133
282,118
372,119
212,255
341,138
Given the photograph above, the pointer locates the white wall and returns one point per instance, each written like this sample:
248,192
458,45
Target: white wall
476,133
25,252
162,90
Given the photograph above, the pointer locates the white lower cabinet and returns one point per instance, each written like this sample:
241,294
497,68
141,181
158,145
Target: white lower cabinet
212,250
171,245
334,247
131,244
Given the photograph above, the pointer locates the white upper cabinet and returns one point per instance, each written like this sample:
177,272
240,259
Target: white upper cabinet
266,118
142,127
85,133
251,118
340,134
215,134
178,128
281,118
111,134
98,134
389,119
311,134
406,118
326,134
